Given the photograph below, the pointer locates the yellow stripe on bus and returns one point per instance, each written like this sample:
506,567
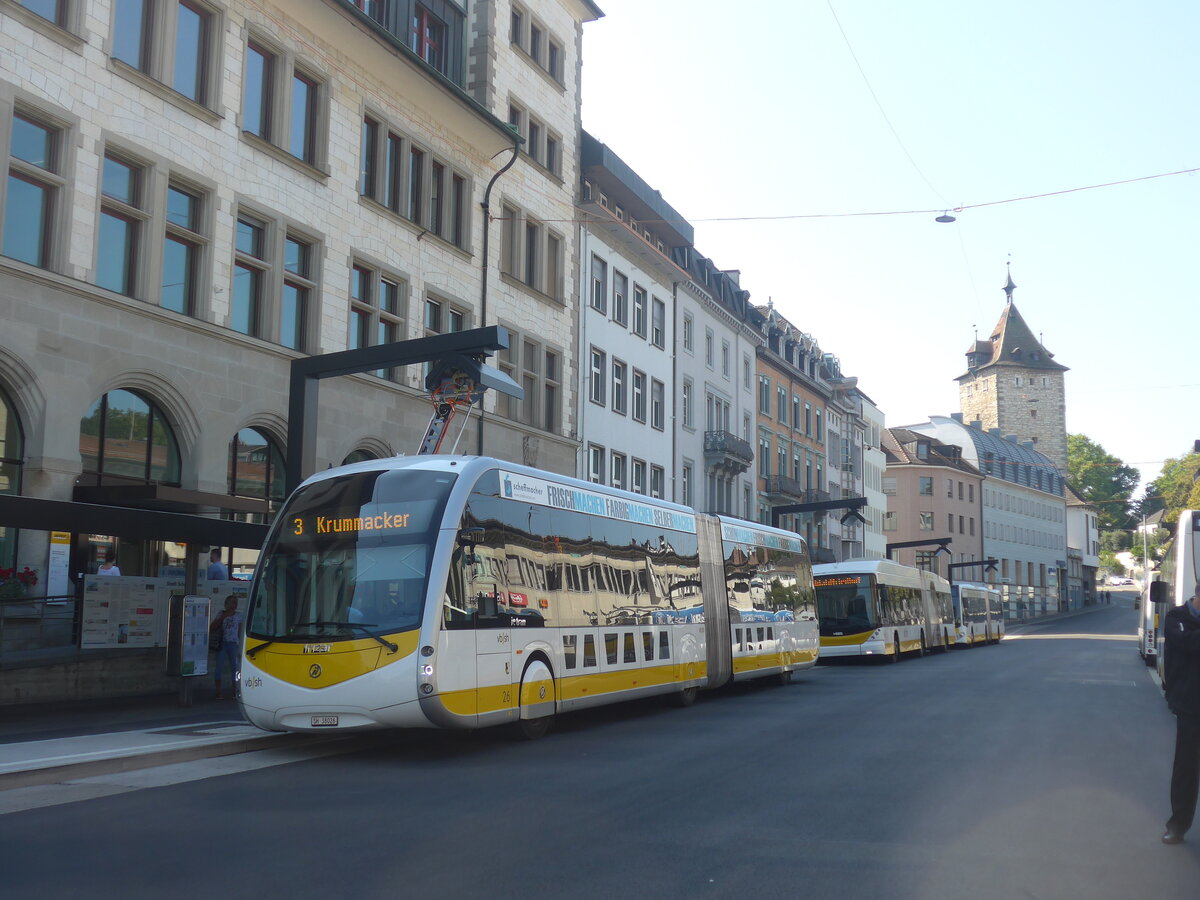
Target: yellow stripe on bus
847,640
344,659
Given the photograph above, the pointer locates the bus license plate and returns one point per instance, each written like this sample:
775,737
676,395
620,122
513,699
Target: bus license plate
324,721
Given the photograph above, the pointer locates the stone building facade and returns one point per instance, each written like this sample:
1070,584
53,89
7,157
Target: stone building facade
1014,384
197,194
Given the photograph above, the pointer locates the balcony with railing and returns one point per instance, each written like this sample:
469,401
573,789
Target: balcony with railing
783,487
725,450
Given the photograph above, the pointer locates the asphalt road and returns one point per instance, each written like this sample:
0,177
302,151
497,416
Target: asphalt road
1036,768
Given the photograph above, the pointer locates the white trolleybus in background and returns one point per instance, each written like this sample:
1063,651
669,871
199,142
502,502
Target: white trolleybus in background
879,608
1176,578
978,613
465,592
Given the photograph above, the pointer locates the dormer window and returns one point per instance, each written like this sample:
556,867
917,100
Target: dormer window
922,449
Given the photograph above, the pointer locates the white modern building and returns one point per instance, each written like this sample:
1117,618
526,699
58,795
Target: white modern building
627,374
1024,513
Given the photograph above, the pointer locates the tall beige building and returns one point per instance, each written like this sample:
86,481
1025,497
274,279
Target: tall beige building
1014,385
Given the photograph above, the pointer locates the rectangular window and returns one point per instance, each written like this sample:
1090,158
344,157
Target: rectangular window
657,404
257,89
639,396
686,478
551,391
781,404
298,289
427,38
820,435
595,464
639,311
950,523
618,470
764,395
377,311
554,61
598,362
889,521
168,40
658,329
638,476
510,245
184,246
302,142
415,173
533,239
599,285
926,521
686,403
970,492
249,273
122,188
618,387
950,487
33,189
620,310
889,485
553,158
569,650
658,480
689,327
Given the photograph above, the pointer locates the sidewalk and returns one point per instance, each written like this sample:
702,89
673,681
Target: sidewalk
59,742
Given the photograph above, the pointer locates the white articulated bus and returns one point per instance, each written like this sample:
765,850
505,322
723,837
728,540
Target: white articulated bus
978,613
464,592
883,609
1177,576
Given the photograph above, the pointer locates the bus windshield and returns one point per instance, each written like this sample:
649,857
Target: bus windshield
844,604
350,556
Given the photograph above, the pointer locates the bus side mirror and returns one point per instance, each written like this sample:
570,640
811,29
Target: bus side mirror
1159,592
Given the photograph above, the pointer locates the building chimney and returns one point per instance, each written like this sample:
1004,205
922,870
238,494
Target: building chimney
1028,445
977,424
994,432
957,417
1011,438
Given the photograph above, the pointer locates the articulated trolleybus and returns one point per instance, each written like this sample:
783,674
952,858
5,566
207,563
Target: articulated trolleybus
876,607
978,613
1176,580
464,592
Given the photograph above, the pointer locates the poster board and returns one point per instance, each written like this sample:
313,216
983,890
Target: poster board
126,611
193,659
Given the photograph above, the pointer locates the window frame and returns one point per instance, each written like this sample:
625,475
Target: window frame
159,46
56,189
371,311
277,104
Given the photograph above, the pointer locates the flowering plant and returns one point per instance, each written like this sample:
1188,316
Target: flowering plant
14,583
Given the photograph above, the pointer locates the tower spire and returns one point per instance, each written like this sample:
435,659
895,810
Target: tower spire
1009,287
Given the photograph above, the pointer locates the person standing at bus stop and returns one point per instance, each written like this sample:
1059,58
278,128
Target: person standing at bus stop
1181,632
229,624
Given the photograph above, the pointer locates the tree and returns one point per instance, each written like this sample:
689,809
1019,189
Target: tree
1101,479
1177,487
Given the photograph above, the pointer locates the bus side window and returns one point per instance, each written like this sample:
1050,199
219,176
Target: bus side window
664,645
569,650
589,650
648,645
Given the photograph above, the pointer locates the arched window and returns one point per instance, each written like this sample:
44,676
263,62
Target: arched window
125,437
358,456
12,453
256,467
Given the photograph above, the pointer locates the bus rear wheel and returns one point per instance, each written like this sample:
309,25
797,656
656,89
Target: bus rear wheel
683,698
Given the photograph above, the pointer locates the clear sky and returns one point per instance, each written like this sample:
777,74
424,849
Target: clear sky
759,109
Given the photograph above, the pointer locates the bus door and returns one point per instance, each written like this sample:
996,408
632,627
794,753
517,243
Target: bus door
486,588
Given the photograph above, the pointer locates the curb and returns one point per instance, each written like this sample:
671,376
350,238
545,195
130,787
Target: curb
150,759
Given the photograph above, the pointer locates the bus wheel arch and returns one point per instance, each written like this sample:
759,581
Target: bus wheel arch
538,698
